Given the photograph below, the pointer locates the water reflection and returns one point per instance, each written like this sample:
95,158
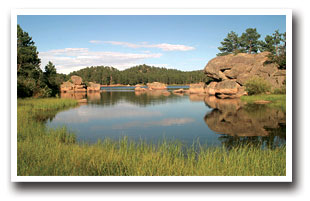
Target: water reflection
241,123
154,114
141,98
76,96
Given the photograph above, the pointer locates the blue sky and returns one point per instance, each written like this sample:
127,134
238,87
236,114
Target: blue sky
180,42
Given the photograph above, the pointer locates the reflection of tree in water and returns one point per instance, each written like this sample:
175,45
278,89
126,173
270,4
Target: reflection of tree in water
141,99
45,116
250,124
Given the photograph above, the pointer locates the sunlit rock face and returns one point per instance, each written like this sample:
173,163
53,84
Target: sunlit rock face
76,80
74,86
198,88
238,69
232,117
93,87
156,86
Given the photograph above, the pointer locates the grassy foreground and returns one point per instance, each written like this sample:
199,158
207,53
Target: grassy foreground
45,151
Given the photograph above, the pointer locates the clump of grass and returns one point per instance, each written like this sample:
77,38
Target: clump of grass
48,152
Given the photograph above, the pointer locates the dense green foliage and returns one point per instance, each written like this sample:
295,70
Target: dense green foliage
45,151
257,85
276,44
141,74
31,80
249,42
231,44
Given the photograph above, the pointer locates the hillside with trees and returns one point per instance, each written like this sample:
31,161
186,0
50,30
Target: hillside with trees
140,74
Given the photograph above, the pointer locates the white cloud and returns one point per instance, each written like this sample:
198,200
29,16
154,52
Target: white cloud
70,59
162,46
96,41
120,111
163,122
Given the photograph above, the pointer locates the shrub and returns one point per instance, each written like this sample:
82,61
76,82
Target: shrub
257,85
281,90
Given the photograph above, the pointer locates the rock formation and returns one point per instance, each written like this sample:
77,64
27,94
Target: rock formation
231,72
140,89
179,91
66,87
156,86
93,87
198,88
76,80
74,86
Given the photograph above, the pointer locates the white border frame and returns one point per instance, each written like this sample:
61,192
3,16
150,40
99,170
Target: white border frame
286,12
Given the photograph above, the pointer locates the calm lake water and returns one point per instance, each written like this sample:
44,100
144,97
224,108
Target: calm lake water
155,115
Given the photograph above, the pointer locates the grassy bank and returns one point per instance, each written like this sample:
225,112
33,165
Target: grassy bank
44,151
277,100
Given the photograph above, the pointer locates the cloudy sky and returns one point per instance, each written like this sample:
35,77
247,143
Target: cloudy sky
179,42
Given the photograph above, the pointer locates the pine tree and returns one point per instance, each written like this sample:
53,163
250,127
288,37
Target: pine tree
231,44
29,74
249,40
50,78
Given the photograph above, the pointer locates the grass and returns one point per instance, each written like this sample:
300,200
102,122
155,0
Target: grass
45,151
277,100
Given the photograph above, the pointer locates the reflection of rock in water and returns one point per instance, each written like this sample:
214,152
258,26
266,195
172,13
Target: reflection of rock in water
227,105
76,96
93,96
231,118
154,93
197,97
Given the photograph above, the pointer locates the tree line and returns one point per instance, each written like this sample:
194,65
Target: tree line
249,43
140,74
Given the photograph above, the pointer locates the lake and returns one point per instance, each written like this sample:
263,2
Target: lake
157,115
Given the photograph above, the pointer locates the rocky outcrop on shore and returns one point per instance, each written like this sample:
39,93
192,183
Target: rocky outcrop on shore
93,87
156,86
198,88
231,72
75,84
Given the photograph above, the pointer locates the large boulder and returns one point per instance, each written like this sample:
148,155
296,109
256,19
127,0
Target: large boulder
66,87
229,89
198,88
156,86
93,87
242,67
76,80
140,89
210,89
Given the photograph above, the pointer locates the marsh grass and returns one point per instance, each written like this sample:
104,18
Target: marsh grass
46,151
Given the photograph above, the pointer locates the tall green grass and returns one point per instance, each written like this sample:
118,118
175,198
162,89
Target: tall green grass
45,151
